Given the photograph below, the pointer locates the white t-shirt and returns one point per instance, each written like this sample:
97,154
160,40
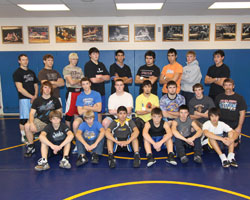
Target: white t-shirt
218,130
116,101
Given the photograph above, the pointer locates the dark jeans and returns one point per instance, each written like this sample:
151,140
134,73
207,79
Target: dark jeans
181,145
188,96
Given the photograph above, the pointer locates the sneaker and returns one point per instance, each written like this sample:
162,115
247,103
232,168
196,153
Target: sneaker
233,163
24,139
42,165
197,159
111,161
30,149
81,160
151,160
95,158
184,159
171,159
74,151
64,163
225,164
137,160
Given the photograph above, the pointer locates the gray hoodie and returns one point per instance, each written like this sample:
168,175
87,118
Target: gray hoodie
191,75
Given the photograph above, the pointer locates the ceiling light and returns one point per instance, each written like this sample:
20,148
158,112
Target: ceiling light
44,7
230,5
139,6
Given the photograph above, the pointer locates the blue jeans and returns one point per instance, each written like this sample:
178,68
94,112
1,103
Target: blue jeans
81,149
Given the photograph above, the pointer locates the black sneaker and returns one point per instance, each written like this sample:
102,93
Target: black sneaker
94,158
197,159
233,163
30,149
151,160
111,161
225,164
184,159
81,160
137,160
171,159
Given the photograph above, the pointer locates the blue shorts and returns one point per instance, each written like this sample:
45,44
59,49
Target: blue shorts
103,104
24,108
157,139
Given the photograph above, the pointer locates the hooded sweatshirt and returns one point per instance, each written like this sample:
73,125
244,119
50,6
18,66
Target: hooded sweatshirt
191,75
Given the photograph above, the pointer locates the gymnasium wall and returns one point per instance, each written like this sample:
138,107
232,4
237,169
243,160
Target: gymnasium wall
237,52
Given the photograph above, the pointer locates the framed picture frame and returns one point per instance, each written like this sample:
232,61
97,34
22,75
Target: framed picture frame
118,33
245,32
92,33
65,33
172,32
12,34
38,34
199,32
225,32
144,32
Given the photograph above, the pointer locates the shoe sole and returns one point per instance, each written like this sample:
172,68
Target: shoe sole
171,162
30,154
226,166
151,163
41,169
236,166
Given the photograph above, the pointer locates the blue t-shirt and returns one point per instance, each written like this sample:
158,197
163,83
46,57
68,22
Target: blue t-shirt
89,100
90,133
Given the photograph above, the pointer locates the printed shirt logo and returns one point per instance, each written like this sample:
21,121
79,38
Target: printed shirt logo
169,71
199,107
57,135
90,135
52,76
147,73
49,106
88,102
28,78
99,71
228,104
75,75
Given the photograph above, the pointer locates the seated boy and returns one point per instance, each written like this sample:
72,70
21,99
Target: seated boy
220,134
90,135
120,134
187,133
55,137
158,133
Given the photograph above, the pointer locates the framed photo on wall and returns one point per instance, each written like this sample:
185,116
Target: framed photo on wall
245,32
172,32
12,34
65,33
199,32
92,33
225,32
38,34
118,33
144,33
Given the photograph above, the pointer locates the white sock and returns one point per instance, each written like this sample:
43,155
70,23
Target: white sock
222,157
230,156
22,132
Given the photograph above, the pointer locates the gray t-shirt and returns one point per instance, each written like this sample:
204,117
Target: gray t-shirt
184,128
200,105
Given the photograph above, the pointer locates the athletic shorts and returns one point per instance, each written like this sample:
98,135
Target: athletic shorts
119,148
157,139
39,124
24,108
71,108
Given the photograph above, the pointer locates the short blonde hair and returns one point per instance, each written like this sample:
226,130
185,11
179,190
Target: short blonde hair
191,52
55,113
89,114
73,55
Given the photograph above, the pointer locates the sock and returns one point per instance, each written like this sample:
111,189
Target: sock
22,132
136,152
223,157
230,156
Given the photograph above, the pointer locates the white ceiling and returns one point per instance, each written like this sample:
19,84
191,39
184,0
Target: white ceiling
98,8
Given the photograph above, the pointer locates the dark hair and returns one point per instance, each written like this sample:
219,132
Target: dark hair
119,80
119,51
156,111
122,108
55,113
197,85
93,50
21,55
46,83
228,80
183,107
220,52
150,53
85,79
171,83
214,111
172,50
146,82
45,57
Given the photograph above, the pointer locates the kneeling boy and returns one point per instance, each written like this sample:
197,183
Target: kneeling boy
120,134
158,133
217,132
90,136
55,137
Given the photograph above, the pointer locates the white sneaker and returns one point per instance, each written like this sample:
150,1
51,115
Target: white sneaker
74,151
64,163
42,165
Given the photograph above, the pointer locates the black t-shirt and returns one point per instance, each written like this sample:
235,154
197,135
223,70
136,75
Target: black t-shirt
27,78
56,136
44,106
217,72
230,106
91,70
145,71
122,72
156,131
